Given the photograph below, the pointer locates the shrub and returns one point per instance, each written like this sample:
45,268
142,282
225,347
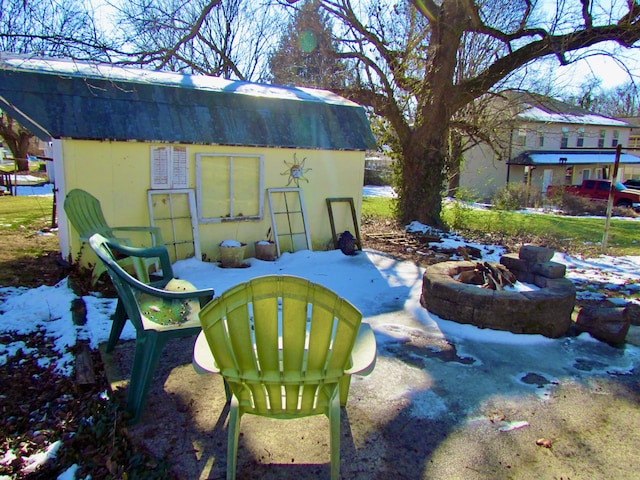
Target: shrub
577,206
515,196
461,208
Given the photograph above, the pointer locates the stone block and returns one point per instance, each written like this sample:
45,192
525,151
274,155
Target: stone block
533,254
549,269
608,324
563,284
514,263
526,277
632,311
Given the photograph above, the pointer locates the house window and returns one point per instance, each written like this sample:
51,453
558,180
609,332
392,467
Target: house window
522,136
564,141
580,141
229,187
603,134
586,174
616,138
541,132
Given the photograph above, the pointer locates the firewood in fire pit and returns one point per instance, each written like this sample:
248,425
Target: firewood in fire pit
494,276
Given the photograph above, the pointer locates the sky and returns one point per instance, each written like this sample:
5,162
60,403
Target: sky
387,292
609,71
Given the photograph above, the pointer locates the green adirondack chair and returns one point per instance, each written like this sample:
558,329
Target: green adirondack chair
287,348
157,314
85,214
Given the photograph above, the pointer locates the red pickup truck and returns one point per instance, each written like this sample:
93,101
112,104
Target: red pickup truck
599,190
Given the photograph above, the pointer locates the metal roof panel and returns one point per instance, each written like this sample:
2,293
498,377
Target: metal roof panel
77,105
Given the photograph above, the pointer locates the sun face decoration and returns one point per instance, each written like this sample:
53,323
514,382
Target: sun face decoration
296,171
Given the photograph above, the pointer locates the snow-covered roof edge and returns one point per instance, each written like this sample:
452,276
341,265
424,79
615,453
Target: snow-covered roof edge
73,68
537,114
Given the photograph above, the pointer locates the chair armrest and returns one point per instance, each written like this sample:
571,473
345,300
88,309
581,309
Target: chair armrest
155,232
159,252
122,241
364,352
203,361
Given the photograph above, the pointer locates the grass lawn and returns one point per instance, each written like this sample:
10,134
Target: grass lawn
571,234
27,245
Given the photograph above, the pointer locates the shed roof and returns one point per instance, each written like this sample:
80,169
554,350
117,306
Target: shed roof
58,98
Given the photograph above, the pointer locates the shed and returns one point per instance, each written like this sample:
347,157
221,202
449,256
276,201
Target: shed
205,159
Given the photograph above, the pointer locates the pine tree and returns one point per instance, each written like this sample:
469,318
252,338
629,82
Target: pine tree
306,52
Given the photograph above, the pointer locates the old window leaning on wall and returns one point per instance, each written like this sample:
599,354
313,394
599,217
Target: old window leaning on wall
229,187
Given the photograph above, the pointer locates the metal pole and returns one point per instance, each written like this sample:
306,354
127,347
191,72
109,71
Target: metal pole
605,236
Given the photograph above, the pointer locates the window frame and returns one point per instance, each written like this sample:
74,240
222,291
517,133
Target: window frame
541,133
616,138
201,194
564,139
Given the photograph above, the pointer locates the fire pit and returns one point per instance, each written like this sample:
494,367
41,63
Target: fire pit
545,311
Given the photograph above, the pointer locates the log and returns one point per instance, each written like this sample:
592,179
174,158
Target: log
84,366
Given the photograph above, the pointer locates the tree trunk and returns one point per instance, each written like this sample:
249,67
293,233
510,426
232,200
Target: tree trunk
425,151
16,138
423,176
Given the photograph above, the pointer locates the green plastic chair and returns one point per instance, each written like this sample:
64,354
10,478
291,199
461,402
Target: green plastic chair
287,349
158,315
85,214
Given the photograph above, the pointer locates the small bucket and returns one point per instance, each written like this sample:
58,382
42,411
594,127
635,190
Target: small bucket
232,257
265,251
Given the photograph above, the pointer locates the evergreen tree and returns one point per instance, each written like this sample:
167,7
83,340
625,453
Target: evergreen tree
306,53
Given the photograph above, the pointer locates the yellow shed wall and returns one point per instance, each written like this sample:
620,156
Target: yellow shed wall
118,174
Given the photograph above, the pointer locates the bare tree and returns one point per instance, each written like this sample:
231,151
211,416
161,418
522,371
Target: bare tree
621,101
54,28
226,38
408,72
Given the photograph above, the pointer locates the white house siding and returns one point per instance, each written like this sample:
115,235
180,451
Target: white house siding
481,172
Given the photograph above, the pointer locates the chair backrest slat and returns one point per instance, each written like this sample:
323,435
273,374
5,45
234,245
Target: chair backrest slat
265,314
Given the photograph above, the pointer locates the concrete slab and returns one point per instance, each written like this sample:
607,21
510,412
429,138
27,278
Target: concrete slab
435,407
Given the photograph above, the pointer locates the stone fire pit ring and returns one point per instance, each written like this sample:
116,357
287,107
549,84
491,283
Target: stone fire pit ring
546,311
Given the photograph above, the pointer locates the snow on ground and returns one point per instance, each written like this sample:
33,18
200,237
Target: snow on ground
376,283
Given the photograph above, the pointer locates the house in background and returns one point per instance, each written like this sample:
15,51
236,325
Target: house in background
634,138
203,158
548,142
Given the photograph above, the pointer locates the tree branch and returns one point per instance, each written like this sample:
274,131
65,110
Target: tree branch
558,45
193,31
